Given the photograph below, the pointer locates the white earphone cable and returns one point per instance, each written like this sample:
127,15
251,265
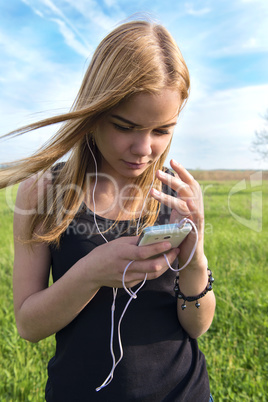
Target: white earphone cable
93,191
132,294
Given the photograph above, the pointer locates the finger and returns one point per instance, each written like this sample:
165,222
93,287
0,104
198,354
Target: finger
157,266
129,239
182,172
171,256
190,207
135,252
154,266
180,205
183,189
151,250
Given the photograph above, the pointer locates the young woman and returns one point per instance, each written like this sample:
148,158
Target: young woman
81,218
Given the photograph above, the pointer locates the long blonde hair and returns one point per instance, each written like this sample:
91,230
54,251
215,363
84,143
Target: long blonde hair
137,56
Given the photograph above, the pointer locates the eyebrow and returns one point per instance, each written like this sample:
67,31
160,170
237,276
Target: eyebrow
132,124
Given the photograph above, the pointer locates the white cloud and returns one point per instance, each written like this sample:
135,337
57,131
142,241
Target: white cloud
233,29
28,67
31,83
39,13
93,14
70,39
196,12
72,36
251,44
57,11
79,22
264,2
216,131
110,3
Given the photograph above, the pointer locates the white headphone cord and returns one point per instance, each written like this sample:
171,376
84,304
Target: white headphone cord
93,191
132,294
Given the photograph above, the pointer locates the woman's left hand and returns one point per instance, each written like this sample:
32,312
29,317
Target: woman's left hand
187,204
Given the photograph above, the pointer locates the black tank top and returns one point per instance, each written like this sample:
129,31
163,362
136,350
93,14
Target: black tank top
161,363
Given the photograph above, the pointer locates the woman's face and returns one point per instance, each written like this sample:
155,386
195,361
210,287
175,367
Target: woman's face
135,134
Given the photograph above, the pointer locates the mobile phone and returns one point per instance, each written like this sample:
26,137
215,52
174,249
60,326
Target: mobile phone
173,233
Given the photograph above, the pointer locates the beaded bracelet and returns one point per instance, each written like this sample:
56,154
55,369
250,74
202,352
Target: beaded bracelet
180,295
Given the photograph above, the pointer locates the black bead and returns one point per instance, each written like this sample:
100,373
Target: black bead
183,306
179,296
197,304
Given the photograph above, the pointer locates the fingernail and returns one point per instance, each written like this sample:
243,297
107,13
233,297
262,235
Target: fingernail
161,174
167,246
175,162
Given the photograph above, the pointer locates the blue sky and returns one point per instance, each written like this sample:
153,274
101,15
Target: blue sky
45,46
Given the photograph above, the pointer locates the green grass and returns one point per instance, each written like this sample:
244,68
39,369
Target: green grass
22,364
236,344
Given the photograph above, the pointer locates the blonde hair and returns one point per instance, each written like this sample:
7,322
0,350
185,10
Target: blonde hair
137,56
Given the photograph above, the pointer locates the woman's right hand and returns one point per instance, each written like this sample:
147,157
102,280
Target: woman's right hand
105,265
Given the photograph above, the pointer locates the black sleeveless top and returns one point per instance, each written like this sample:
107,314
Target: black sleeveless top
161,363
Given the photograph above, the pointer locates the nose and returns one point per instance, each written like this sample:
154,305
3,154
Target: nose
142,144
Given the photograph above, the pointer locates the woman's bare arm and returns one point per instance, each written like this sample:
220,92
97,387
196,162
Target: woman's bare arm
41,311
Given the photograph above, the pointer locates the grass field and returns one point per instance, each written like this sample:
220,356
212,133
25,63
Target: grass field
236,344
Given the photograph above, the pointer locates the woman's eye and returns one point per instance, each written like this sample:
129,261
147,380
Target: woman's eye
157,131
161,132
122,128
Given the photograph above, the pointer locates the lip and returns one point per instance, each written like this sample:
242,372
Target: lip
135,165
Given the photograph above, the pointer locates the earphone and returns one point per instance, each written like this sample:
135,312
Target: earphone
132,294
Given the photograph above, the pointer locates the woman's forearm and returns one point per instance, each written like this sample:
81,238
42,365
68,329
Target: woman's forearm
49,310
195,320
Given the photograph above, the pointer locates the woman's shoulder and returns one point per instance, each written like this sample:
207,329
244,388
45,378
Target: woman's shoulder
33,188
